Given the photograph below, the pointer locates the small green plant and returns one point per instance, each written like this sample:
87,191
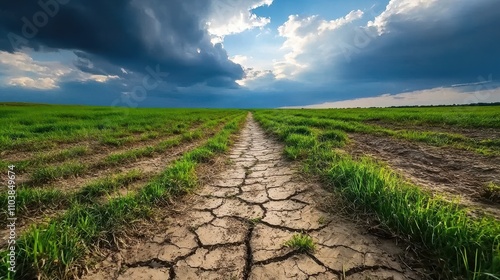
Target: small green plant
302,243
255,221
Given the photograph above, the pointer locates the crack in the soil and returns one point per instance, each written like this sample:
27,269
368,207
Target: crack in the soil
248,238
171,273
277,258
317,261
249,202
249,254
346,247
298,200
306,231
360,269
152,263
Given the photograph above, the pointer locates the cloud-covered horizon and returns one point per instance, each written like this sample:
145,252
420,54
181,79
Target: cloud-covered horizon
427,97
223,53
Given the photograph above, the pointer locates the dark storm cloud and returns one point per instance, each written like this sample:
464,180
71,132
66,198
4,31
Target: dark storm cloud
133,34
454,42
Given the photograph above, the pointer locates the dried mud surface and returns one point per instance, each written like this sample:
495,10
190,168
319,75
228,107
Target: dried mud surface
445,171
235,227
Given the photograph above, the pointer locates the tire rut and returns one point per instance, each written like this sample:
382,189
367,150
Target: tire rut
235,227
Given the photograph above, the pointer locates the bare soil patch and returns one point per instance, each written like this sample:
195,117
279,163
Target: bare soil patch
442,170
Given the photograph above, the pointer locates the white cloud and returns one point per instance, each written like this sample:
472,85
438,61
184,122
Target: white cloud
257,79
97,78
39,83
239,59
19,69
481,79
21,62
409,9
305,46
435,96
334,24
309,41
234,16
325,51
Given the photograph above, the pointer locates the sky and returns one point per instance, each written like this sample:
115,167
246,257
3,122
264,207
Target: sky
250,53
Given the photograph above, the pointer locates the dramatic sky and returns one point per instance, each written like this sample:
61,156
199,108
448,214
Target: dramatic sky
250,53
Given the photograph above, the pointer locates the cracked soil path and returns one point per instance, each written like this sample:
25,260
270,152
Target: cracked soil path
236,227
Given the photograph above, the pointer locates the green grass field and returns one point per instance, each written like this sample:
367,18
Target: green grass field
459,116
437,126
85,174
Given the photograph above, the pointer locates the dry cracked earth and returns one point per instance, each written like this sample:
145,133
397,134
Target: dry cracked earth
236,227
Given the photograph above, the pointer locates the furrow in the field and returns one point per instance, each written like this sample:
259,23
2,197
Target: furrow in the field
40,217
153,167
93,143
91,150
60,193
453,172
148,168
101,135
95,164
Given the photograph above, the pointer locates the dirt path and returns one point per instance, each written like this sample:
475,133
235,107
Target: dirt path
236,227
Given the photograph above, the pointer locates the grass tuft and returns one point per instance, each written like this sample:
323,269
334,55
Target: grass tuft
104,186
255,221
302,243
46,174
202,155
